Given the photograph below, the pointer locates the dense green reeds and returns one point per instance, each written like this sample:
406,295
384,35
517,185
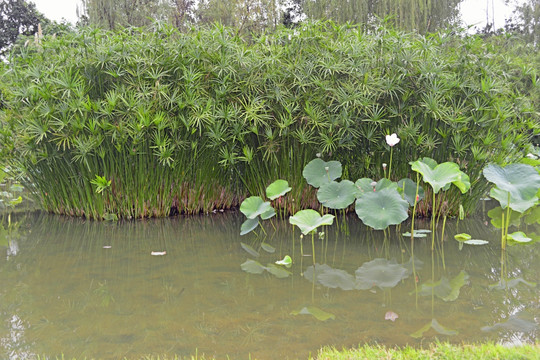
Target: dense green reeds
166,122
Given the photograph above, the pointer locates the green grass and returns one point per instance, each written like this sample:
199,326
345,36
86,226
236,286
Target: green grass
435,351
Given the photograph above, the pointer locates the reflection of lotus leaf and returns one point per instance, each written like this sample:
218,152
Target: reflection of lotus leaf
336,278
337,195
319,172
319,269
514,324
434,324
418,265
511,283
379,272
319,314
381,209
447,290
248,226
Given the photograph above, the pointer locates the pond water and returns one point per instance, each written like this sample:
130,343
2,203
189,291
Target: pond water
94,289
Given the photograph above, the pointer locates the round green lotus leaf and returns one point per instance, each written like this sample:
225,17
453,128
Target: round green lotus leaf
319,172
520,180
407,188
379,272
442,175
254,206
363,186
495,215
533,217
309,220
517,238
277,188
476,242
517,204
337,195
462,237
380,209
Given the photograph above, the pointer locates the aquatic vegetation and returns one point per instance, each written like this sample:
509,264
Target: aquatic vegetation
309,220
380,209
317,313
435,325
447,290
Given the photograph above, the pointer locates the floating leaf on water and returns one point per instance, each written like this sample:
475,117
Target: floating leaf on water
268,248
319,314
518,237
514,324
309,220
158,253
462,237
379,272
277,271
444,289
390,315
381,209
252,267
254,206
416,234
251,251
287,261
521,181
476,242
511,283
319,172
107,246
248,226
277,188
422,231
407,188
434,324
337,195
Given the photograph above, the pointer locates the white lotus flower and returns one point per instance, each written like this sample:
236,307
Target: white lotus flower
392,139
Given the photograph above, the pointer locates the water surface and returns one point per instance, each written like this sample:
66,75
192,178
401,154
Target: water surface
93,289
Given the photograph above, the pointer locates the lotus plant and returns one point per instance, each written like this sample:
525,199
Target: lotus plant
391,140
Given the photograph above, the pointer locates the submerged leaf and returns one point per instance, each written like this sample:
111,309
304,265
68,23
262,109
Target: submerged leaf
319,314
277,188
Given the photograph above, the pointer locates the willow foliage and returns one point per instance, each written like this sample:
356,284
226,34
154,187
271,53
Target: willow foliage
165,122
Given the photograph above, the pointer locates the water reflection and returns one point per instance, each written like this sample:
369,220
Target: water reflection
90,289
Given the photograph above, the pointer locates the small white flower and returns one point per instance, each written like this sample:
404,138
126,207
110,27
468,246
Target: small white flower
326,168
318,155
392,139
384,166
532,156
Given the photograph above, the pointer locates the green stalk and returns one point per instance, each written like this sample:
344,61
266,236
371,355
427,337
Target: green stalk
390,164
414,207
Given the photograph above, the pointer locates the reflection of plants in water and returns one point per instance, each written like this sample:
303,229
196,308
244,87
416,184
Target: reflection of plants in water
103,294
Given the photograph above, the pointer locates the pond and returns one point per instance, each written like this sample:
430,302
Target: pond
94,289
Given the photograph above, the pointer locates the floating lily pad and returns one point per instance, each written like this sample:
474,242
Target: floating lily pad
337,195
248,226
407,188
254,206
309,220
423,231
268,248
381,209
252,267
511,283
319,172
319,314
379,272
444,289
251,251
416,234
277,188
521,181
462,237
476,242
434,324
287,261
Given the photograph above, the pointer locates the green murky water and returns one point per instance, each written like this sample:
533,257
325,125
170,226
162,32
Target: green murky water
90,289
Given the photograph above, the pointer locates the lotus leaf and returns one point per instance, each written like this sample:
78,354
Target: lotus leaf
407,188
476,242
277,188
319,172
442,175
520,180
495,215
287,261
379,272
462,237
444,289
517,204
248,226
254,206
316,312
268,213
337,195
363,186
533,217
518,237
380,209
252,267
415,235
251,251
309,220
434,324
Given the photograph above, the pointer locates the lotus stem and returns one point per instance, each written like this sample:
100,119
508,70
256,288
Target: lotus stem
442,242
390,163
414,207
